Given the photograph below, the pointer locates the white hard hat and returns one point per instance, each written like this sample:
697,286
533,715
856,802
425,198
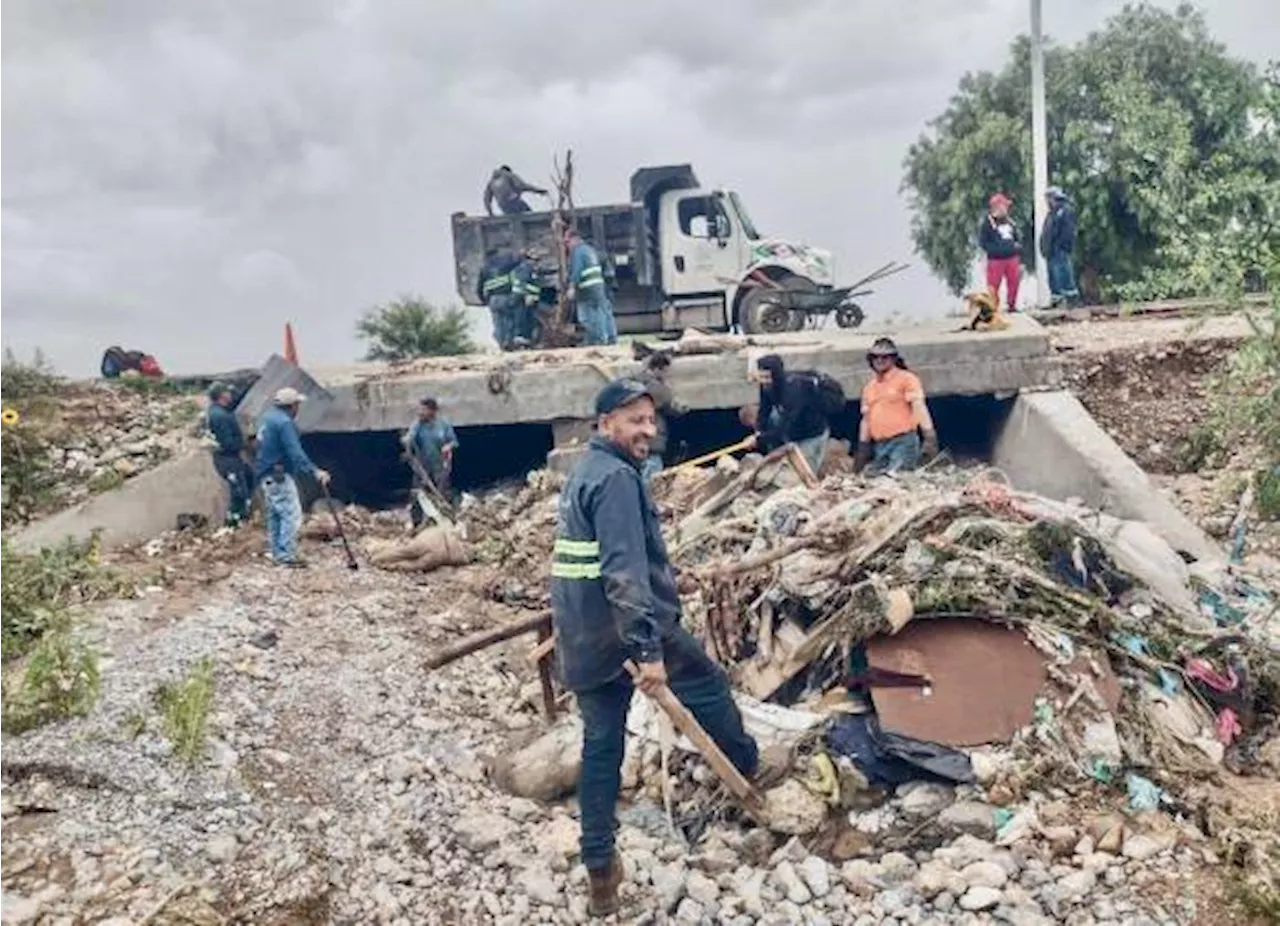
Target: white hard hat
288,396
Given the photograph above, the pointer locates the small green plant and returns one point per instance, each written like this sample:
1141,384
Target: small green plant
155,386
1267,486
134,724
59,680
185,706
105,481
1199,447
20,380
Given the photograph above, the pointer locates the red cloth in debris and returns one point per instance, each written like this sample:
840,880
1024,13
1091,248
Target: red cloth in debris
1202,670
150,366
1228,727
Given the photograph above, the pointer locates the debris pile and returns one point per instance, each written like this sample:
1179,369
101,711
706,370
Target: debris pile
940,628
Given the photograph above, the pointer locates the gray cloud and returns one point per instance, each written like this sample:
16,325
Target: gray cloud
185,177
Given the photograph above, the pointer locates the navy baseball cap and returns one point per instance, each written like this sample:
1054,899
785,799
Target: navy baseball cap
618,393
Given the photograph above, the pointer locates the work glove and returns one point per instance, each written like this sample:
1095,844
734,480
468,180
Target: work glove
929,446
862,457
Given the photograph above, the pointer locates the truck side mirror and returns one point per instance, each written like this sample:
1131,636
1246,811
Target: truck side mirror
720,228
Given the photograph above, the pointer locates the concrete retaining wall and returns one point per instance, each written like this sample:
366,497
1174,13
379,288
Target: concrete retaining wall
142,508
1050,444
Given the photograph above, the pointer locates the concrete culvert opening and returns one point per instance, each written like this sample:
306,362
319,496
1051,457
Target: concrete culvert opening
367,468
967,427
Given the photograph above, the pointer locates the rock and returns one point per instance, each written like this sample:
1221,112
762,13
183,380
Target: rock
964,851
935,877
897,867
793,809
749,889
560,835
757,846
701,888
988,766
668,882
1112,840
537,884
19,910
789,882
689,911
1141,847
264,640
1061,839
480,832
984,874
979,898
1077,885
925,798
222,848
816,875
972,817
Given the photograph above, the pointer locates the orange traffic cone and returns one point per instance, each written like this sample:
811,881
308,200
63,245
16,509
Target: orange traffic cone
290,349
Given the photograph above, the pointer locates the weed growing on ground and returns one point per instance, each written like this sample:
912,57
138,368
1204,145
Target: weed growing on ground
185,706
105,481
59,679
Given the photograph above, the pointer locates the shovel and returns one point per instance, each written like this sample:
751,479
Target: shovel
342,534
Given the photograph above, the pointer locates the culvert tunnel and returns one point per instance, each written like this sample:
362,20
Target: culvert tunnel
367,468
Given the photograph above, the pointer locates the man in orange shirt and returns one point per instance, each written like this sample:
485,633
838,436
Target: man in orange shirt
894,415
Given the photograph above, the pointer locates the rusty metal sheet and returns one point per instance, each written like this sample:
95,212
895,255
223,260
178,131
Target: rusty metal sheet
985,681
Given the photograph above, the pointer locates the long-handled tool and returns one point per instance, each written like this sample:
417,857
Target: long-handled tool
708,457
443,505
342,534
684,721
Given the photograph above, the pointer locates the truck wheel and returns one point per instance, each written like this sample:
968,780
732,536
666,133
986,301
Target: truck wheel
761,311
850,316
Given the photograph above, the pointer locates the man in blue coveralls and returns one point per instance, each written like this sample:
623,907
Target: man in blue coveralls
227,459
281,460
495,289
588,291
613,599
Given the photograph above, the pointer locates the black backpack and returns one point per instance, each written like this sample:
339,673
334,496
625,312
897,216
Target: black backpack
831,397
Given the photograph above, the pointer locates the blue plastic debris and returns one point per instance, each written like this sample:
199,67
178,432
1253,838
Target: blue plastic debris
1144,794
1133,643
1170,681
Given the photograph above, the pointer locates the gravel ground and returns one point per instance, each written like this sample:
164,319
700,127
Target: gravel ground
343,784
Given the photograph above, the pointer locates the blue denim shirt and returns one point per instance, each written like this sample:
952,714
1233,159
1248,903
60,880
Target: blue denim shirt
225,429
280,444
428,440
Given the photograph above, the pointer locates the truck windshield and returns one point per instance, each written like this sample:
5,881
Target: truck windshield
748,226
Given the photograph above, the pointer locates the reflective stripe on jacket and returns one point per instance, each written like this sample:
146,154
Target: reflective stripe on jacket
584,266
613,593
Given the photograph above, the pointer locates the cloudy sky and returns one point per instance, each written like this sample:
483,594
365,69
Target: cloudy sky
185,176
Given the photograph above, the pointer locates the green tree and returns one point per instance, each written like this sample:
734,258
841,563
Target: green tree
411,327
1169,148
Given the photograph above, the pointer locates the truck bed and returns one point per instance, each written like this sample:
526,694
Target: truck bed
619,232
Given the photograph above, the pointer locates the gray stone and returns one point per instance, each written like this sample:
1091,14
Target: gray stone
1077,885
222,848
537,884
668,881
972,817
936,877
701,888
816,875
925,798
980,897
944,901
790,883
897,867
689,911
985,874
17,909
1141,847
479,832
748,889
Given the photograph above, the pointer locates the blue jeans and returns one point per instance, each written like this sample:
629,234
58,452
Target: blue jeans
814,450
1062,281
651,466
595,315
895,454
701,686
284,517
504,320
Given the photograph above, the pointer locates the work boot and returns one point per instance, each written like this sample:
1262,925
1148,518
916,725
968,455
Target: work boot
774,764
296,563
602,883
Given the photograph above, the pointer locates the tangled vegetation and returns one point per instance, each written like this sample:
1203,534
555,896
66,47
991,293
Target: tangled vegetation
185,707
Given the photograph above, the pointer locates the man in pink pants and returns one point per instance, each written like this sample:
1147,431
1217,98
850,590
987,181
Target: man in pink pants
998,238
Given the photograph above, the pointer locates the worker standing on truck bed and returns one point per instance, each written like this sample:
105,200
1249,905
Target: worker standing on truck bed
495,289
228,457
526,293
506,186
613,599
791,411
894,414
588,292
281,460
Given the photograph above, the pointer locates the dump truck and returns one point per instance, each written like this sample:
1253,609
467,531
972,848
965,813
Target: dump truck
677,256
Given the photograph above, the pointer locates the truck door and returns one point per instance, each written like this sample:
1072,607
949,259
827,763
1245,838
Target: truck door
704,253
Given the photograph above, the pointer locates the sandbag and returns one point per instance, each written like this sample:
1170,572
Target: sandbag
428,549
548,768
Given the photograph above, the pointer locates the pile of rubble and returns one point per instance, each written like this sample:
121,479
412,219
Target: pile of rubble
970,647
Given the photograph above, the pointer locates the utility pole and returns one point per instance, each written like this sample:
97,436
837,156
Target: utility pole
1039,151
